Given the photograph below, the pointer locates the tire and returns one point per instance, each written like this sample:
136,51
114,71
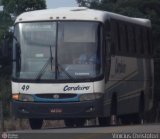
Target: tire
36,123
113,109
153,116
69,122
139,118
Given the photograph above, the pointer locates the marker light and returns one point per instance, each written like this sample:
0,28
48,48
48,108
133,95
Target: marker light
90,96
15,96
23,97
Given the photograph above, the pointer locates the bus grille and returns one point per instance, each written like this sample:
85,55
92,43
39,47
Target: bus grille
56,96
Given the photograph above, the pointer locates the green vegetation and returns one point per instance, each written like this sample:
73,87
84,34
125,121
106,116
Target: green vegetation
12,8
17,7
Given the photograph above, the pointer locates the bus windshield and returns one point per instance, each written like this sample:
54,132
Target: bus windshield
61,50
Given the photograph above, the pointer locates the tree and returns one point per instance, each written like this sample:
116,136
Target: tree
17,7
87,3
12,7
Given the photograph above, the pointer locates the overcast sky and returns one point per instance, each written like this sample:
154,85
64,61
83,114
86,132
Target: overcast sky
60,3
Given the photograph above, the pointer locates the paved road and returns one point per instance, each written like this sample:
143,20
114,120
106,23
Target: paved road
152,128
136,131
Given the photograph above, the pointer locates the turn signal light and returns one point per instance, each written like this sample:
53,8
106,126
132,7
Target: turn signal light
15,96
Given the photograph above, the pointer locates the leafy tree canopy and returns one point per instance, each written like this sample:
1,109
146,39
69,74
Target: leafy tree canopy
14,8
17,7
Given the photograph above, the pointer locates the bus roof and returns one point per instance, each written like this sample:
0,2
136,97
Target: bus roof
76,13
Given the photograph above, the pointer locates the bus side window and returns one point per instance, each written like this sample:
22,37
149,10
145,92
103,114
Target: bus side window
138,40
131,43
145,42
107,56
127,38
142,42
114,37
108,50
123,37
149,40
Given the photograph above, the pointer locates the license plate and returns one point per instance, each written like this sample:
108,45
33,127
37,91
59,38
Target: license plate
56,110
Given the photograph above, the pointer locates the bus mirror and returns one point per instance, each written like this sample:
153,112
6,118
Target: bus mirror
18,56
5,49
18,50
110,45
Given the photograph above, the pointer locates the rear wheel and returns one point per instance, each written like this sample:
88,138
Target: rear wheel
139,119
136,118
112,120
36,123
113,110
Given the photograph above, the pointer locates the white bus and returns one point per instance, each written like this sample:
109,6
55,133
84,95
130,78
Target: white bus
77,63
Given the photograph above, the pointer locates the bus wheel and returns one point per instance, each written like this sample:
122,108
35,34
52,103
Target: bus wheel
113,110
36,123
139,119
69,122
80,122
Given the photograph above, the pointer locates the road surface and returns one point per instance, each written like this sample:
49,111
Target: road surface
132,131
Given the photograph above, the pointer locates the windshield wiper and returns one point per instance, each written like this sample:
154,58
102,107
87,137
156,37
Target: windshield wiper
42,71
59,66
50,60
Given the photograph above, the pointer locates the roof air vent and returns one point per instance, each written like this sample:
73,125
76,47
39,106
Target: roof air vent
79,9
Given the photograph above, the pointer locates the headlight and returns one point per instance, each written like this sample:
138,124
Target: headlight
90,96
23,97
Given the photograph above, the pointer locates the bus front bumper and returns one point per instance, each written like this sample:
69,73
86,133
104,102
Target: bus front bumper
86,109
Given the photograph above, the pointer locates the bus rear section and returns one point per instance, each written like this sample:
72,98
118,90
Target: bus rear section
129,90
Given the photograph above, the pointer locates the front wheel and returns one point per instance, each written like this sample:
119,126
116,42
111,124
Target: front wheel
36,123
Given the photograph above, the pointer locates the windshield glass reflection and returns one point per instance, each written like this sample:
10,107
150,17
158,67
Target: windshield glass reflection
71,51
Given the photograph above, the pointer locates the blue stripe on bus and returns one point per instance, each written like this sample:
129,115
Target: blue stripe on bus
37,99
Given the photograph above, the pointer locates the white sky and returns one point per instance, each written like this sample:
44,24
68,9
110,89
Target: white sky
1,8
57,3
60,3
